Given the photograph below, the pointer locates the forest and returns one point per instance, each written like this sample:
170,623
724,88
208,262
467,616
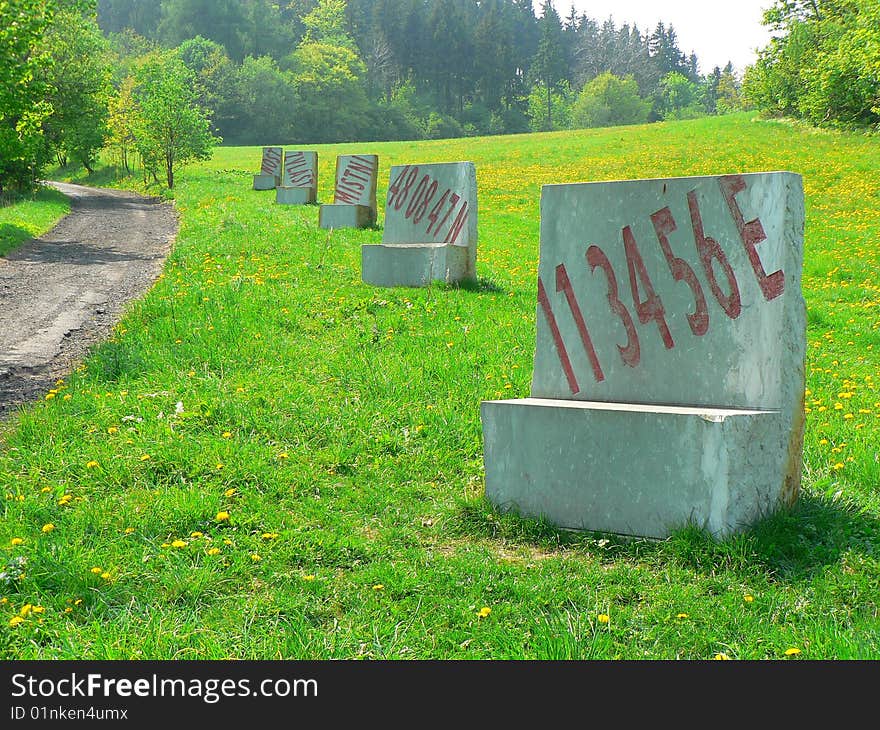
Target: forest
82,76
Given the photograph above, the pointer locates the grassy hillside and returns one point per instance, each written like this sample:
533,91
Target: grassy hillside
22,218
271,459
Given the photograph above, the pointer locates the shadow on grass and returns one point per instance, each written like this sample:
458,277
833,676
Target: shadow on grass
791,545
482,285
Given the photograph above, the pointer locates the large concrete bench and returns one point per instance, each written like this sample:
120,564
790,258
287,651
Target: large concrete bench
299,181
668,378
354,193
269,176
430,227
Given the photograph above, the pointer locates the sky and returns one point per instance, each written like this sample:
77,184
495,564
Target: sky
717,32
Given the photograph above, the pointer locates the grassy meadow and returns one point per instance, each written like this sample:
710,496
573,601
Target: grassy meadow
24,217
272,460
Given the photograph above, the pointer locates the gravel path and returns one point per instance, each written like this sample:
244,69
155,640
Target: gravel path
64,291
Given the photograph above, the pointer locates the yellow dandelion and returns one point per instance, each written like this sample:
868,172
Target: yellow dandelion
48,527
721,656
748,598
256,558
178,544
229,492
16,541
269,535
603,618
227,541
77,601
15,621
219,466
308,577
128,530
92,465
222,516
196,534
484,611
45,490
105,575
378,587
681,615
97,571
227,434
793,651
112,430
282,455
145,457
214,551
38,609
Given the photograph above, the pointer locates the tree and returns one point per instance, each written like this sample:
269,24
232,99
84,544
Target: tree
121,122
266,100
79,88
171,129
548,65
609,100
332,105
23,63
677,98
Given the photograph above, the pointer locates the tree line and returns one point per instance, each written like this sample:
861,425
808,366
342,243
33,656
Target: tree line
331,70
159,82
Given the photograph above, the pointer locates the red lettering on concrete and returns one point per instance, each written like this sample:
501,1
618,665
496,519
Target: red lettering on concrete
681,270
709,250
631,353
563,284
652,306
751,233
557,339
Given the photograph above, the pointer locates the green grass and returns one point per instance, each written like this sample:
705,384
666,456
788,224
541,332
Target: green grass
26,217
338,425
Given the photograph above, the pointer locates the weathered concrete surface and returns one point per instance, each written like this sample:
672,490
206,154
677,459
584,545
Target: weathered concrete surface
341,215
632,470
684,292
265,182
294,196
427,208
414,264
300,170
354,194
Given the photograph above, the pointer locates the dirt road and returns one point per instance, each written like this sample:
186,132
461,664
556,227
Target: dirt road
64,291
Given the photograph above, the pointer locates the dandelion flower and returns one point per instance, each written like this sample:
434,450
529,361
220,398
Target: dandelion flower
308,577
145,457
16,541
214,551
92,465
721,656
196,534
681,615
229,492
269,535
178,544
222,516
748,598
603,618
97,571
105,575
378,587
282,455
128,530
227,434
48,527
38,609
792,651
256,558
112,430
15,621
484,611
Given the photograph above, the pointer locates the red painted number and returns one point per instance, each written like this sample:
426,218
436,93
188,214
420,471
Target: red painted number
651,307
563,284
557,339
422,207
709,250
664,224
597,259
